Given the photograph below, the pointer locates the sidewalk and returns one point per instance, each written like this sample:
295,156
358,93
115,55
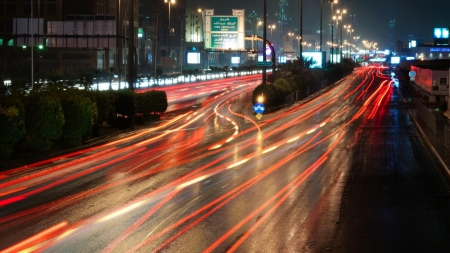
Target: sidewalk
435,142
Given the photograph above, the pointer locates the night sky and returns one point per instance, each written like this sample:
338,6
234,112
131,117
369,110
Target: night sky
415,18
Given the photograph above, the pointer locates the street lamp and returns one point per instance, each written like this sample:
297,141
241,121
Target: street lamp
332,41
170,2
257,27
271,27
332,2
341,18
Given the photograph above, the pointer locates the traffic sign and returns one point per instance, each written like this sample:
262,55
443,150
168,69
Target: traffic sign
259,108
264,64
412,74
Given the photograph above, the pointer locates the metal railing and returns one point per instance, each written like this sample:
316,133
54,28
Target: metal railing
299,95
447,137
427,116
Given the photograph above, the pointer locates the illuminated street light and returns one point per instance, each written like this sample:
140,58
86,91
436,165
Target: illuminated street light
271,27
261,99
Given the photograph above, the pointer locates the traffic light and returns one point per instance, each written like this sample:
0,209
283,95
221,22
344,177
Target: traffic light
40,47
24,46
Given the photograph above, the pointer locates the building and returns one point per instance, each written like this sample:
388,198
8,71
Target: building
77,34
167,21
48,10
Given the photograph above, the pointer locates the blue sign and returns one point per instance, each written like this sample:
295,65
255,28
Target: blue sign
258,108
264,63
439,49
412,74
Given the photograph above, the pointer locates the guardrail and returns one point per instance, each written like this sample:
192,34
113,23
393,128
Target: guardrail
447,137
426,114
299,95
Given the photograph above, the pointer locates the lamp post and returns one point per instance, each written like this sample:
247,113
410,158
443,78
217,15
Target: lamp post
271,27
257,27
340,17
332,41
298,39
320,31
332,2
32,47
170,2
301,32
347,27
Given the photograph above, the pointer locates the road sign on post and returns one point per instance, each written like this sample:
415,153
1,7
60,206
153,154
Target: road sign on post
264,64
259,108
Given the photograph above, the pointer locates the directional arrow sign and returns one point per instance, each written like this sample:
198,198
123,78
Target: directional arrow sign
258,108
264,63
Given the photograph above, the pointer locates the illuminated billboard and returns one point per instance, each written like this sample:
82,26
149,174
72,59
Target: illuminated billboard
395,60
441,36
316,57
441,33
235,60
193,58
225,32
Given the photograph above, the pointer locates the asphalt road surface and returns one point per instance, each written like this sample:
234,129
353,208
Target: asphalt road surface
342,171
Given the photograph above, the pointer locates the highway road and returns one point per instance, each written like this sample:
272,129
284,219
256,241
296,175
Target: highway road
328,174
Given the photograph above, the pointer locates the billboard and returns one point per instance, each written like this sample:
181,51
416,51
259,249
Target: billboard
441,33
224,32
395,60
235,60
193,58
316,57
441,36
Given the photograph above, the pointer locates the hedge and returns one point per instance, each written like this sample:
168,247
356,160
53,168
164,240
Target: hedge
44,119
12,126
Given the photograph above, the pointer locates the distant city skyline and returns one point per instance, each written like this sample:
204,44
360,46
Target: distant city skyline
413,19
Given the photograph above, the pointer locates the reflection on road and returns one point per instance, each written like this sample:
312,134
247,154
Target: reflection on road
207,180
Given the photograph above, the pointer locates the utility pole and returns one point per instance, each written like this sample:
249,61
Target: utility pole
156,47
264,78
131,49
32,46
301,33
320,26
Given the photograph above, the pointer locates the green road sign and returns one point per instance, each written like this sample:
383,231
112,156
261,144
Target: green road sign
224,40
224,24
264,63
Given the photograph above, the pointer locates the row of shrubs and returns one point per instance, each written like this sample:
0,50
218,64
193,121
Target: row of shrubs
38,120
291,78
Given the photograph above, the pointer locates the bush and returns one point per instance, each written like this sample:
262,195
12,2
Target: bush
44,118
124,102
267,91
79,113
283,86
12,126
101,100
151,103
160,98
298,81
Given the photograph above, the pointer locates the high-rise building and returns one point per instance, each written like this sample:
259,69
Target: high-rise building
392,34
282,21
77,33
48,10
168,20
